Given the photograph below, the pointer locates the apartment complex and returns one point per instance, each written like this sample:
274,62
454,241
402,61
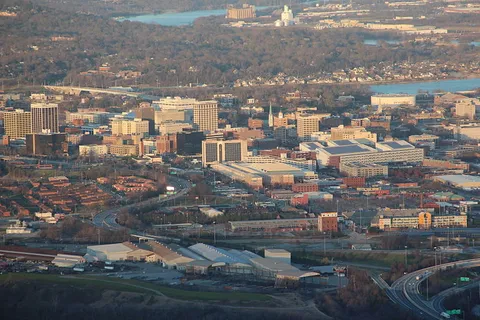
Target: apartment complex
205,115
214,151
44,117
417,219
17,123
127,126
351,132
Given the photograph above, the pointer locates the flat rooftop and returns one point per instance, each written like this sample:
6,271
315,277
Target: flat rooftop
353,148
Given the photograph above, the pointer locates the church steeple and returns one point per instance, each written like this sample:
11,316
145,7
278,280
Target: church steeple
270,116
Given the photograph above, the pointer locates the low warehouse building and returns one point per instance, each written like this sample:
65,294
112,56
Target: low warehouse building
167,256
460,181
67,260
278,254
125,251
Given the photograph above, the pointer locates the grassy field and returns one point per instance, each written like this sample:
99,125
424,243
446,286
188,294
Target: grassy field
114,284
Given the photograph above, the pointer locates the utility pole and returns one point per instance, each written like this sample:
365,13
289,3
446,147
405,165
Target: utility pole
324,246
427,289
406,261
214,234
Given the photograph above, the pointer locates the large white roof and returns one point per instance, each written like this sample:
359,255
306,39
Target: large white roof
114,247
459,178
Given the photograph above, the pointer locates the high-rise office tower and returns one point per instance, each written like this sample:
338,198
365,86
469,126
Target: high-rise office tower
215,151
306,125
44,117
17,123
205,115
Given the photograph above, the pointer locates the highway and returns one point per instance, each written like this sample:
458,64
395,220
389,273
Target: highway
406,290
108,219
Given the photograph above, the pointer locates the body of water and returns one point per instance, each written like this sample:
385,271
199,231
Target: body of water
473,43
375,42
430,86
178,18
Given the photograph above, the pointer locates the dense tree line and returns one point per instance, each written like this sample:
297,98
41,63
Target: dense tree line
360,299
125,7
43,300
204,52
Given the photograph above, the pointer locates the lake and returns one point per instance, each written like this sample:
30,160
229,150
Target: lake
430,86
177,18
375,42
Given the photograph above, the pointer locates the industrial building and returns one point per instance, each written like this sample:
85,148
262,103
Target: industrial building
258,174
169,255
274,224
279,255
125,251
67,260
460,181
245,12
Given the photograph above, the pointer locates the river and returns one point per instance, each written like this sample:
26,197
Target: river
177,18
430,86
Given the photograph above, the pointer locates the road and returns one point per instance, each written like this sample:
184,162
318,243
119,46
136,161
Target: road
108,219
437,300
406,290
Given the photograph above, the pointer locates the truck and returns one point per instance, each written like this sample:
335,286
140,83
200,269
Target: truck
445,315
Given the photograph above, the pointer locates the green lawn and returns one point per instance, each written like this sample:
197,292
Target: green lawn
133,286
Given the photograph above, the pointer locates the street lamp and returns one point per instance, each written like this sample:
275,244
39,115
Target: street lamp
214,234
406,262
435,253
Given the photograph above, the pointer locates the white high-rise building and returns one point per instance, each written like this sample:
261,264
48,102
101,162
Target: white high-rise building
44,117
287,16
306,125
205,115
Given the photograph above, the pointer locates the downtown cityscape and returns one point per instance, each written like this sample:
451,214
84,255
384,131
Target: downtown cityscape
262,159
